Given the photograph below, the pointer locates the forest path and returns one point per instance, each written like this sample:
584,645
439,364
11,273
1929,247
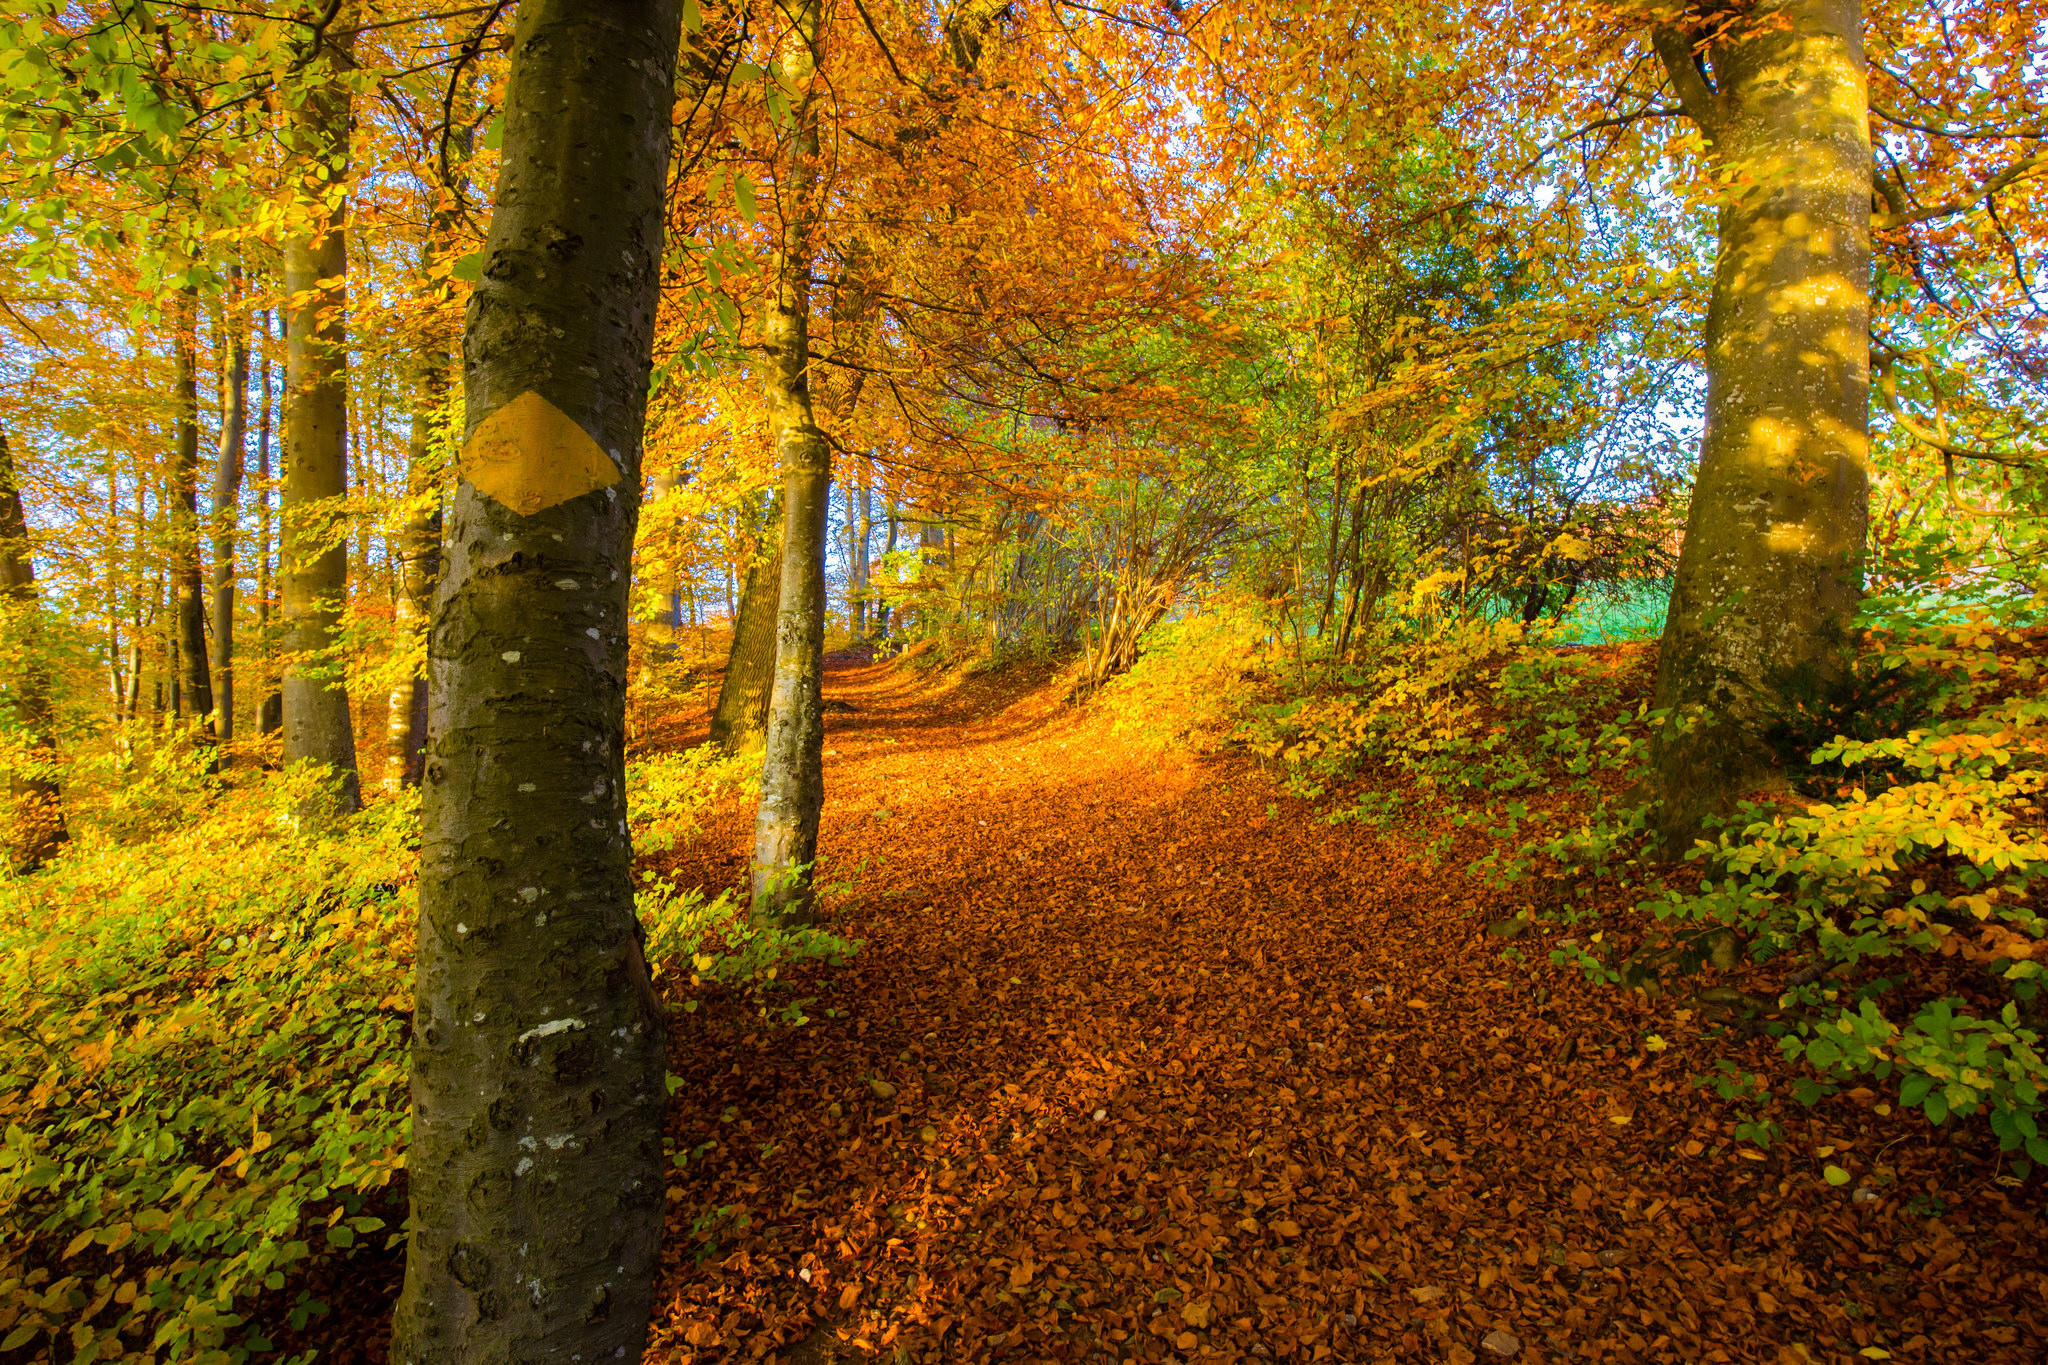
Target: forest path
1139,1062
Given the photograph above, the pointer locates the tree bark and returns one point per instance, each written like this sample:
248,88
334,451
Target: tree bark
37,829
195,686
740,717
538,1054
792,769
312,511
1771,570
227,496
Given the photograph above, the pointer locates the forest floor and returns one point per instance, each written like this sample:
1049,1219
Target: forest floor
1141,1061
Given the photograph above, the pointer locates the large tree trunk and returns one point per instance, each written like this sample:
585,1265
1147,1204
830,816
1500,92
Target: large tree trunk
312,550
792,769
188,584
740,717
227,496
539,1053
1771,569
37,828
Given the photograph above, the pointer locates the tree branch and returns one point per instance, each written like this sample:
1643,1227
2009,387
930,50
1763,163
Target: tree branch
1966,202
1688,82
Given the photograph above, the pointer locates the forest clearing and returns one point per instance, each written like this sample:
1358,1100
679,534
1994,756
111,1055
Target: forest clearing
1011,680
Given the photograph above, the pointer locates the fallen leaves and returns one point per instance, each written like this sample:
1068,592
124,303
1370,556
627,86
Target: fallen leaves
1186,1123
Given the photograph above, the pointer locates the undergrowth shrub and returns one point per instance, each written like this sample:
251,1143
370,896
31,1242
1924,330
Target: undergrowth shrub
1914,893
1194,678
202,1079
1471,710
204,1011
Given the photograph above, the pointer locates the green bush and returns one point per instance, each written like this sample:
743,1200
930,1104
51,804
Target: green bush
1913,893
202,1062
202,1078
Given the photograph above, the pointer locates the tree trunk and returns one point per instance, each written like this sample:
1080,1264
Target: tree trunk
863,532
741,714
418,552
792,769
37,829
539,1053
1771,570
188,584
312,551
227,496
418,566
270,709
882,606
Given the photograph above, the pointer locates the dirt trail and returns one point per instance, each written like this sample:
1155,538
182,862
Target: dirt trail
1140,1062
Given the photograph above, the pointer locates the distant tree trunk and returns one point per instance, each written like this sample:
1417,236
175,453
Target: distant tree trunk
270,707
792,769
188,584
312,550
538,1051
863,533
418,551
418,566
1771,569
37,829
110,568
741,714
227,497
883,609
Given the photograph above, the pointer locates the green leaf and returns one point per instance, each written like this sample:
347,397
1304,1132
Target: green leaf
743,195
470,268
494,136
693,17
18,1337
1835,1174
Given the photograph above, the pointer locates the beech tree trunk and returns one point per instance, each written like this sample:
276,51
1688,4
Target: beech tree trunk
861,522
740,717
37,829
312,549
418,566
188,585
227,496
538,1055
270,707
792,769
1771,570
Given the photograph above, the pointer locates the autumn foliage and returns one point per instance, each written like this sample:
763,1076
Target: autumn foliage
1255,912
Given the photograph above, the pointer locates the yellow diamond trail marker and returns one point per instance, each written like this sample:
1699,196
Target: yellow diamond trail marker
529,455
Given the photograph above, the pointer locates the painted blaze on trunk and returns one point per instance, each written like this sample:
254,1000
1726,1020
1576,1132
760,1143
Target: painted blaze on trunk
1771,571
538,1053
